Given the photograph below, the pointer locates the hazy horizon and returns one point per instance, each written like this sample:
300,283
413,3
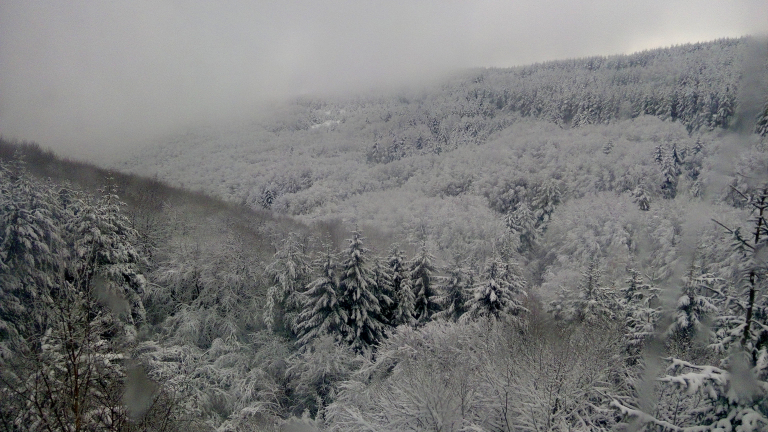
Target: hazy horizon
88,78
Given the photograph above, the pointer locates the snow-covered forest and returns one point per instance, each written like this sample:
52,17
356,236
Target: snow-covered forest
573,245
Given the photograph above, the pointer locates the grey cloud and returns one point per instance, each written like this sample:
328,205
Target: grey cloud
88,77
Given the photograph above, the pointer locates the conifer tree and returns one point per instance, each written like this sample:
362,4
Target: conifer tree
761,125
745,313
670,163
382,278
693,309
423,282
497,292
32,250
288,274
524,223
70,260
322,312
545,198
403,309
456,293
590,303
734,394
640,197
641,312
359,299
103,243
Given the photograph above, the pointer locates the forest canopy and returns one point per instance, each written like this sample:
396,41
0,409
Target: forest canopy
574,245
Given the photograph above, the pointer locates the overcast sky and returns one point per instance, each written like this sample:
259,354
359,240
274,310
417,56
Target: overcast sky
86,77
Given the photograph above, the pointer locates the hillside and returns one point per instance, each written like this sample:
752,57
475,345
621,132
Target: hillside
696,86
457,158
575,245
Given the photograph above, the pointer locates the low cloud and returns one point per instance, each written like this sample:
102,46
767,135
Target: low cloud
88,78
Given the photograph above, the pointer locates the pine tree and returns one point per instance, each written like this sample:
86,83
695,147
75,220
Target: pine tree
289,274
733,395
403,309
608,147
322,312
641,312
524,223
591,302
545,198
385,293
456,290
70,260
670,163
693,310
32,250
456,294
497,292
359,300
745,315
658,154
423,282
267,198
640,197
104,253
761,125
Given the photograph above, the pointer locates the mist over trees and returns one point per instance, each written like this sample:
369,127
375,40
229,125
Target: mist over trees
575,245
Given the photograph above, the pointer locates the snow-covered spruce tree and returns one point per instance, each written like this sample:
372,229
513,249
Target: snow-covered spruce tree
732,396
590,303
102,241
497,292
641,198
456,293
359,299
67,371
669,162
744,317
32,252
382,279
403,307
695,308
54,236
524,223
641,313
322,312
545,198
267,198
761,125
423,283
288,274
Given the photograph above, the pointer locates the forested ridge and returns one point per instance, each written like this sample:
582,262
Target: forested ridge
574,245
